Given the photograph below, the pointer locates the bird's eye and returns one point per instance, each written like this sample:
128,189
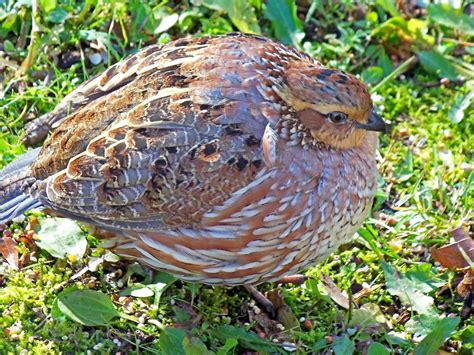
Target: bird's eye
337,117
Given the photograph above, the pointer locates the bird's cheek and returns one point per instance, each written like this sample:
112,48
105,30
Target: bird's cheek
311,119
319,134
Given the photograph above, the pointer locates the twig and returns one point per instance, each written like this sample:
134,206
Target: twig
457,41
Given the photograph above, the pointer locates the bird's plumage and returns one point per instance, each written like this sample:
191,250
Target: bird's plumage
214,158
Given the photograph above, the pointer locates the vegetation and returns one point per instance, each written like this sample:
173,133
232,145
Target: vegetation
399,287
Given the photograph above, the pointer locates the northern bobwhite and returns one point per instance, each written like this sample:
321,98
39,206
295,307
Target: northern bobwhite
224,160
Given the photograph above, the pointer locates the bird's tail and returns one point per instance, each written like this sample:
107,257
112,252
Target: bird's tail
14,178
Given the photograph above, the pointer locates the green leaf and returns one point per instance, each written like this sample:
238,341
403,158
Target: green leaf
461,103
407,289
377,349
137,290
47,5
61,237
421,324
389,6
287,26
371,75
166,23
240,12
194,346
215,25
436,63
432,342
57,15
20,3
385,63
372,17
8,46
92,35
467,337
369,313
230,343
161,281
55,311
423,278
449,17
404,171
319,345
311,286
343,345
188,18
246,339
171,341
87,307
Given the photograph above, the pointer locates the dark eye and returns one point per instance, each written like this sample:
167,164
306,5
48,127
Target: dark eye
336,117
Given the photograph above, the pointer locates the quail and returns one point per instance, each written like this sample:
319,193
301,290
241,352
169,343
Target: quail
231,160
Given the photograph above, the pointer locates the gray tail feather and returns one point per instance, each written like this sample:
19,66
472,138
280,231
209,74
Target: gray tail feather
14,178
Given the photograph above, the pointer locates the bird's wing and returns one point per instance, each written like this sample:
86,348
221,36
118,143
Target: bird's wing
165,148
117,76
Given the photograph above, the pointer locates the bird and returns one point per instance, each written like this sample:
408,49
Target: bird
225,160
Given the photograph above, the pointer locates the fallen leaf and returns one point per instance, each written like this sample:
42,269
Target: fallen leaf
284,314
466,286
334,292
457,255
9,251
185,316
467,306
369,313
365,292
61,237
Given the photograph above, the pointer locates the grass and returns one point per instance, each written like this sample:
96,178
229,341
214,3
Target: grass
402,295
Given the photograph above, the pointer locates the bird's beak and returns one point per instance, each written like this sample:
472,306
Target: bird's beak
374,123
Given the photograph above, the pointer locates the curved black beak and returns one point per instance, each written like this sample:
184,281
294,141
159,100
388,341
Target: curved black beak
374,123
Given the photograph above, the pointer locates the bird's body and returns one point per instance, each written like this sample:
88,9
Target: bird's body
221,160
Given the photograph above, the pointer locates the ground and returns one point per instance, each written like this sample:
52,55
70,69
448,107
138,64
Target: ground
396,288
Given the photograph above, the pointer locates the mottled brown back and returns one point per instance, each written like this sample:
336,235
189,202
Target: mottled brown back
165,135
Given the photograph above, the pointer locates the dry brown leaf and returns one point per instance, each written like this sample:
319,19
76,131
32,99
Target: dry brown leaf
193,320
466,286
9,251
284,314
466,290
466,309
365,292
334,292
457,255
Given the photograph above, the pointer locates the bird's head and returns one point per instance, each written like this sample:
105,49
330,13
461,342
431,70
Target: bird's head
333,107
